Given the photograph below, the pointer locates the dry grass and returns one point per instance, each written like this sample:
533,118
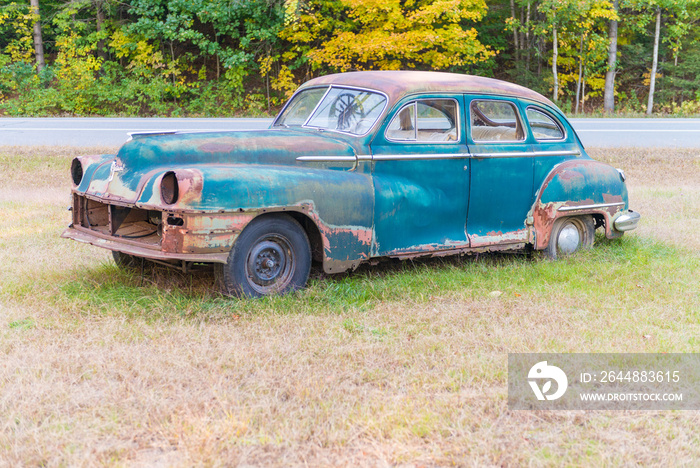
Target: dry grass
664,186
403,366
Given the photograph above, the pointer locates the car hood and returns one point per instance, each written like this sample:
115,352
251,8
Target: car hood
275,146
146,157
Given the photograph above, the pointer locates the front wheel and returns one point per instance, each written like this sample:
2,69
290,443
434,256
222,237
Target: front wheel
271,256
125,261
570,235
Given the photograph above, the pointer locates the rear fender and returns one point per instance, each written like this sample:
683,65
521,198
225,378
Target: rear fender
576,188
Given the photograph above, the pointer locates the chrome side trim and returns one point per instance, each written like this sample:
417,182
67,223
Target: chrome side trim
526,154
590,207
327,158
417,157
135,135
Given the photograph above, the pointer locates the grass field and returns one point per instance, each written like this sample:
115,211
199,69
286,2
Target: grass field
399,364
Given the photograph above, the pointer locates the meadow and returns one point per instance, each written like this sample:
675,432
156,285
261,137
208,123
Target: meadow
400,364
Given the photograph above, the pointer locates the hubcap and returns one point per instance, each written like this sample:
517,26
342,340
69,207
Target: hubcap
270,264
569,239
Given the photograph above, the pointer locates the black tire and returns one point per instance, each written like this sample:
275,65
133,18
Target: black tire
569,235
271,256
125,261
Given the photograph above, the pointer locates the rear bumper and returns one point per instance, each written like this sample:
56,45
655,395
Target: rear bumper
87,236
626,221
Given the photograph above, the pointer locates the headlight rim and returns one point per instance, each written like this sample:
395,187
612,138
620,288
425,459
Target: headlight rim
76,171
169,188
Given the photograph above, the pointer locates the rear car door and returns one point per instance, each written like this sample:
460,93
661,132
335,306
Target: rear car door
501,184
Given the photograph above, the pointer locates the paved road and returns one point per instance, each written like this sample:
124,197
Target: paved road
676,133
113,131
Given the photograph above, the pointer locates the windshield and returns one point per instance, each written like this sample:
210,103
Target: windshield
345,110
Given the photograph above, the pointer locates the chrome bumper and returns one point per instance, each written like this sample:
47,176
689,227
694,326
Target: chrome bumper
626,221
132,248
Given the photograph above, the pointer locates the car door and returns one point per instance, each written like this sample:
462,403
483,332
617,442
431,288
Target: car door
421,177
501,184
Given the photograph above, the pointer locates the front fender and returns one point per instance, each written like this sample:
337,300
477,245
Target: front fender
577,187
339,203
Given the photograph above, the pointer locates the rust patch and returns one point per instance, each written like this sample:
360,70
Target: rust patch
191,182
493,237
543,218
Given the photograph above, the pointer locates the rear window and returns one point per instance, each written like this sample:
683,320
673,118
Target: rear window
543,126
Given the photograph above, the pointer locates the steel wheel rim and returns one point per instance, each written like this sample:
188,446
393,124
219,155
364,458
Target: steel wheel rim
569,239
270,264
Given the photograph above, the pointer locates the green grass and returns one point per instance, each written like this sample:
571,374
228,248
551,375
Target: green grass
620,273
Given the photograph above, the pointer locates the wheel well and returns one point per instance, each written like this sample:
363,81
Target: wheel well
599,220
309,227
312,232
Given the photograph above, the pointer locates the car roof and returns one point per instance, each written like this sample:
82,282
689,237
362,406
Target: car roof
397,84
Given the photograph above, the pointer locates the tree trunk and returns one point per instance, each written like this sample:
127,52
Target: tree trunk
654,63
583,92
38,40
609,95
580,75
521,41
515,31
527,33
555,55
98,26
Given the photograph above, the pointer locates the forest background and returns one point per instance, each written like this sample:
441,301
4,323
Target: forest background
246,57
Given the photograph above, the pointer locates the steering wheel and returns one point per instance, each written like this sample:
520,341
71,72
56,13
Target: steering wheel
347,110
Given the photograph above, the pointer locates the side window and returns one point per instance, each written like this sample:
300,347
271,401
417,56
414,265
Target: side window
425,120
543,126
493,121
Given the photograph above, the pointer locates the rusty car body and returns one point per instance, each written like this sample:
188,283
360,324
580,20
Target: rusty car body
357,166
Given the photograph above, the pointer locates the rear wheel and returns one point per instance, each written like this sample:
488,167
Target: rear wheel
271,256
570,235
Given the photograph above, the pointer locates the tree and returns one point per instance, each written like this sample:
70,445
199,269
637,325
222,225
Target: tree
38,41
654,63
392,34
677,28
609,95
574,26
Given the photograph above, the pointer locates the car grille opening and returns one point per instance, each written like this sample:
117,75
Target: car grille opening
118,221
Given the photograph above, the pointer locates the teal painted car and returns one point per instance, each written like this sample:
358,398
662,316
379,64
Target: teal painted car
357,166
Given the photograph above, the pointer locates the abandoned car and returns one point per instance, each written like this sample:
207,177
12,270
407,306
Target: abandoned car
357,166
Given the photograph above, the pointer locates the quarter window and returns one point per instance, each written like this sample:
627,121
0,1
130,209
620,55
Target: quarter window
543,126
426,120
493,121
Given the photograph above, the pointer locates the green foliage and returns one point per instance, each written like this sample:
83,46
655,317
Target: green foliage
222,57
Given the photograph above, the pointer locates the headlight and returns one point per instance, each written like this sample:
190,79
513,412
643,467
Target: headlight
169,189
76,171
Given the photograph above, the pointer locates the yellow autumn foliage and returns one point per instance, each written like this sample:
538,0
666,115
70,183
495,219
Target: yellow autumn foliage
394,34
